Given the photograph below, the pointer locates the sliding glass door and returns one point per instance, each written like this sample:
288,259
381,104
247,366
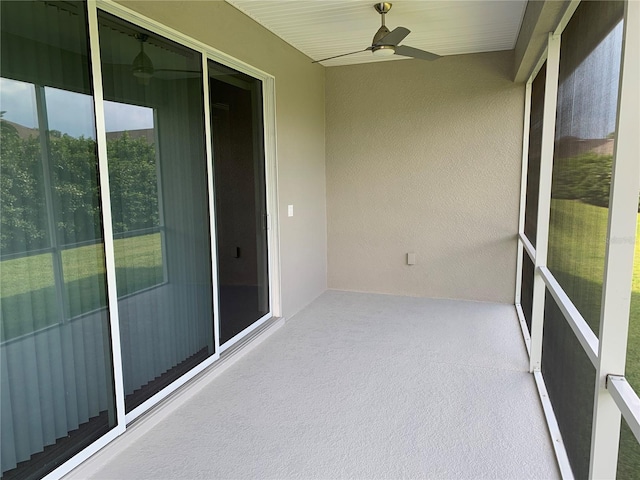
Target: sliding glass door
73,371
56,384
241,211
154,116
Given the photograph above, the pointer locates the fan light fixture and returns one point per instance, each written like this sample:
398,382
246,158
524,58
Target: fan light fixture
384,50
142,66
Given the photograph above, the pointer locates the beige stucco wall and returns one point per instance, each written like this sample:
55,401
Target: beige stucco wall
424,157
300,131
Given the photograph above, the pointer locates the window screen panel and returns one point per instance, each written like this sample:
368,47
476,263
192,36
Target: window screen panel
632,371
535,148
570,379
585,129
629,456
526,295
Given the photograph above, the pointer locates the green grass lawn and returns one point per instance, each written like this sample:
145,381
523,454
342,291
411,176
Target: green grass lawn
571,256
28,293
576,258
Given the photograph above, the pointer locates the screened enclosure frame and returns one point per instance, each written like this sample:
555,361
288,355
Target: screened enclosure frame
614,398
269,134
613,395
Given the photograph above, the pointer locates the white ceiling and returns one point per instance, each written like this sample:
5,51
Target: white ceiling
322,29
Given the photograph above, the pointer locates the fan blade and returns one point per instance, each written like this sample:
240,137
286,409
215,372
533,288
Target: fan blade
343,55
415,53
394,37
170,74
176,70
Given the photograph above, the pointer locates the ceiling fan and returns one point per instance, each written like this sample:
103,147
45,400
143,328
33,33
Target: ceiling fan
142,67
385,42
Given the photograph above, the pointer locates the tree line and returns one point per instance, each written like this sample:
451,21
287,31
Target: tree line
585,177
50,186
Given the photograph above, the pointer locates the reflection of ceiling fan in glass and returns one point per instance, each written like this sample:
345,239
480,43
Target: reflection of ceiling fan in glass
143,69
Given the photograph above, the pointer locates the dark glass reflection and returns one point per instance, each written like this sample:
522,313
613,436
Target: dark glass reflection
238,147
56,390
158,180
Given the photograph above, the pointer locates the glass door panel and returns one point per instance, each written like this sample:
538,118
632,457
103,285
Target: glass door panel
158,180
241,221
56,385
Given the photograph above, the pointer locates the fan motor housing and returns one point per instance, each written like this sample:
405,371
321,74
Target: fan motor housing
382,31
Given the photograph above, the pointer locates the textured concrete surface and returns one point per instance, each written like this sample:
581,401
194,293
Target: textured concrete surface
424,157
357,386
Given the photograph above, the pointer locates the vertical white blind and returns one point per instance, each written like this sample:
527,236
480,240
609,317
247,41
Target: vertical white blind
55,379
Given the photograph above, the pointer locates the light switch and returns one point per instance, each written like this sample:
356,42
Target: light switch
290,210
411,258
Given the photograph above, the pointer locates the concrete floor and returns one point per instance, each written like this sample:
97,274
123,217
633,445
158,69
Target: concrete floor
354,386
